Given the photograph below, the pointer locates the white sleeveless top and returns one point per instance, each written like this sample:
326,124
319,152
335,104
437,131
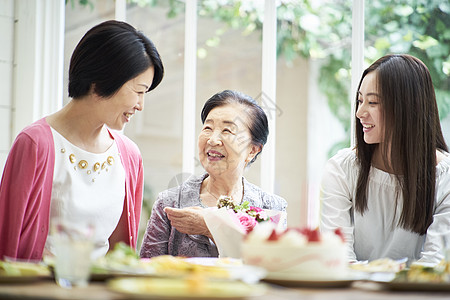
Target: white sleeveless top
87,187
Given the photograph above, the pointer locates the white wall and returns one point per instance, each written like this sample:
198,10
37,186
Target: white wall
324,131
31,64
6,70
38,60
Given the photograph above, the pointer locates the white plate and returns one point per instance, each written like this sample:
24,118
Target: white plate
303,280
166,288
323,283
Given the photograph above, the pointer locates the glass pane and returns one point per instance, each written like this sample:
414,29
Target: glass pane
157,130
78,20
315,40
419,28
229,57
313,79
312,107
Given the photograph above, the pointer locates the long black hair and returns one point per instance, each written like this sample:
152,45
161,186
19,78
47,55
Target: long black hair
412,134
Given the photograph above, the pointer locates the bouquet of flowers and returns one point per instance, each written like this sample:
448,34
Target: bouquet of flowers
229,223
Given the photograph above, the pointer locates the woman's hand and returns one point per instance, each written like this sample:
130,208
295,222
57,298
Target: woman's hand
188,220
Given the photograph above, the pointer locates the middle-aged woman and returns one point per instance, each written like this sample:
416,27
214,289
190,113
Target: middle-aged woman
234,132
73,165
391,194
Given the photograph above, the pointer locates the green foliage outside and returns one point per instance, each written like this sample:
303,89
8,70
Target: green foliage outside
80,2
315,30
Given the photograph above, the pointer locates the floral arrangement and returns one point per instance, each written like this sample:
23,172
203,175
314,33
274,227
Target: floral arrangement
229,223
248,216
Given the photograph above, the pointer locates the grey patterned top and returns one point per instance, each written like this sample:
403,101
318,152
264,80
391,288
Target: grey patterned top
160,238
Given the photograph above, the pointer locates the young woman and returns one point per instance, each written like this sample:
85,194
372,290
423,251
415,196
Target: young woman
73,165
391,193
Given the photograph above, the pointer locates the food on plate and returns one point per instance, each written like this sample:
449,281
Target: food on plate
124,260
121,258
228,262
167,265
380,265
19,268
425,274
297,254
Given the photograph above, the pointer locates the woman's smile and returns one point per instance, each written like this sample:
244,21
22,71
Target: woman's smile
128,116
367,127
369,110
214,155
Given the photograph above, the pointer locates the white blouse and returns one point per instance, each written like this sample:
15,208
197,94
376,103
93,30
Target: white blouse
87,188
376,233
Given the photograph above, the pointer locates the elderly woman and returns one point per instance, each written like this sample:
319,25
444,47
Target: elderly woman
234,132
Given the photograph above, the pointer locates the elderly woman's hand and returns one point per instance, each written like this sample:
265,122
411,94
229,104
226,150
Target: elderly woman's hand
188,220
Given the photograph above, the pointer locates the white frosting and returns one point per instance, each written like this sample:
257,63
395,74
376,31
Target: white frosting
292,257
292,238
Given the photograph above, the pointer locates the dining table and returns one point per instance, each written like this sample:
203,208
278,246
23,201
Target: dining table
99,290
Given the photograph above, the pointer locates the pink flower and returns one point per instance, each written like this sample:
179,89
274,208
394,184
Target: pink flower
255,208
246,221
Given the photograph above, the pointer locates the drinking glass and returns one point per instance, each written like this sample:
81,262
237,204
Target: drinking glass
73,244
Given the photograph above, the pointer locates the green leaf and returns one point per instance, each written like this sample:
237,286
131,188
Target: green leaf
338,146
445,7
408,36
446,34
244,206
446,68
202,52
391,26
213,42
403,10
443,101
382,43
425,42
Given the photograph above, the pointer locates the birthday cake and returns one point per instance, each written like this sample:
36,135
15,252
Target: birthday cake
297,254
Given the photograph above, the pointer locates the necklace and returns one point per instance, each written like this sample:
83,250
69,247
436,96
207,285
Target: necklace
95,168
207,189
217,198
201,200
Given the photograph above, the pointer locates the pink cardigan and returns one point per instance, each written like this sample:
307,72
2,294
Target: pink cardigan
26,188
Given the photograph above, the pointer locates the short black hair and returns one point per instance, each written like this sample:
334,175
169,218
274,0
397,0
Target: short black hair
259,127
109,55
